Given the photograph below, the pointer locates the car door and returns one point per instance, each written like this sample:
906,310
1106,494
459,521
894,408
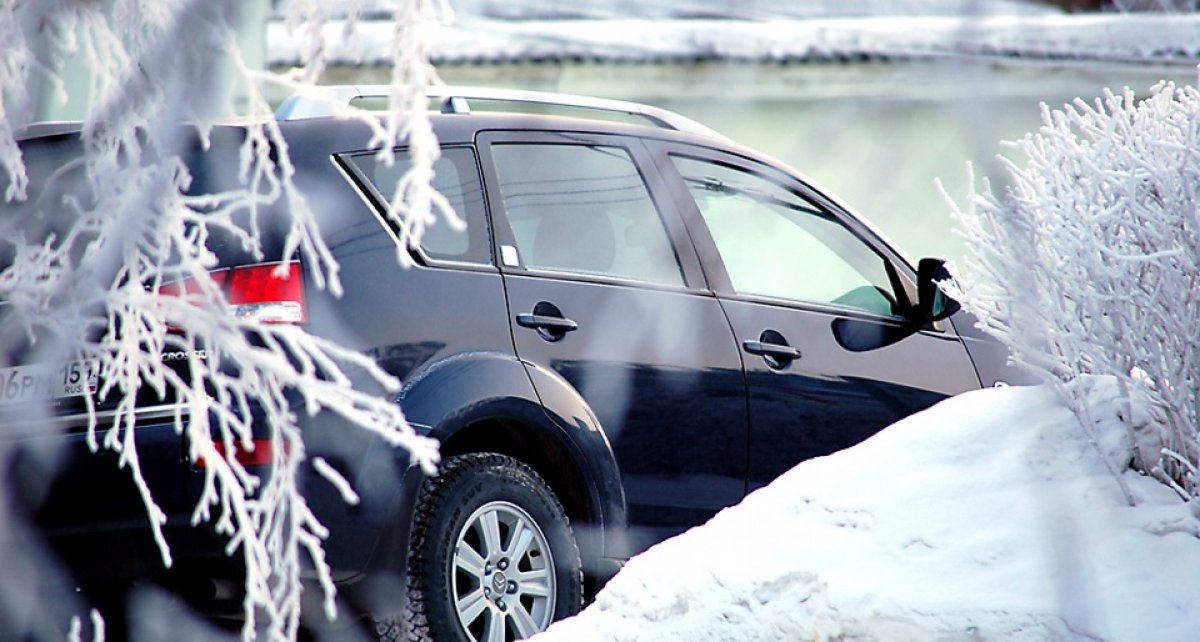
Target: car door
818,306
603,292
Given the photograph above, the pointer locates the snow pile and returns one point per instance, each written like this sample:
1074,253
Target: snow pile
987,517
729,9
1106,37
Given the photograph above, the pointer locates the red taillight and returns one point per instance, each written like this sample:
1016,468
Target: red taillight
259,293
260,455
189,288
254,292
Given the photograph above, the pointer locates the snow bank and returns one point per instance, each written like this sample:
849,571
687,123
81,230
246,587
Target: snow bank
729,9
988,517
1107,37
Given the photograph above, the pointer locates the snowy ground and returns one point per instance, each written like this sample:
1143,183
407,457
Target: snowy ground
1103,37
987,517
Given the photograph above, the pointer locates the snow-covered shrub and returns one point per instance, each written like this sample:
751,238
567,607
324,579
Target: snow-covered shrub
1089,262
91,292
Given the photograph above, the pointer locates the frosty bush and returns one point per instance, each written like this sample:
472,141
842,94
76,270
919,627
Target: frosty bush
1089,263
92,293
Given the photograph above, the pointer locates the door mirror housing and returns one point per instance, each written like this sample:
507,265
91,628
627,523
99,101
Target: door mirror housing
859,335
932,303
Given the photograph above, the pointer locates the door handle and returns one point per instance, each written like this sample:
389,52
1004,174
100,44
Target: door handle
546,322
551,324
764,349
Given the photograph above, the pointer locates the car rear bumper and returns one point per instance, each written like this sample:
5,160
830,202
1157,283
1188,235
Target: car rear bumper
93,517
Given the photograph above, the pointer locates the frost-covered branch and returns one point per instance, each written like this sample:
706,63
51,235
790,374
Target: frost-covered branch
130,279
1089,262
412,206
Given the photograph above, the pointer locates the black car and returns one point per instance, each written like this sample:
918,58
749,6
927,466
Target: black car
642,323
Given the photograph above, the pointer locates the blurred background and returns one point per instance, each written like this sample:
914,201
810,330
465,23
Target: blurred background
871,99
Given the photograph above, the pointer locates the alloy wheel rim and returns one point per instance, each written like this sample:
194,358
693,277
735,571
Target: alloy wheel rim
502,575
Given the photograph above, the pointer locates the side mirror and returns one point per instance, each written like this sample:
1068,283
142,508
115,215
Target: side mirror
861,335
932,303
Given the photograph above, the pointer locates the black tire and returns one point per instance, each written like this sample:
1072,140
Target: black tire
491,547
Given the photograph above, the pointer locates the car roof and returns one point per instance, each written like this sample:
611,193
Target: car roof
334,135
332,100
319,108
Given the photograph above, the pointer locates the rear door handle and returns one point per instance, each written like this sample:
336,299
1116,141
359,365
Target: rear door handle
544,322
551,324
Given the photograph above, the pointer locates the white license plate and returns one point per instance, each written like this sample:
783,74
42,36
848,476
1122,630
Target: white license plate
46,382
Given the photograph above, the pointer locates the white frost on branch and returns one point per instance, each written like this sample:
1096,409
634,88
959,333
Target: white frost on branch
75,633
412,206
93,292
1089,262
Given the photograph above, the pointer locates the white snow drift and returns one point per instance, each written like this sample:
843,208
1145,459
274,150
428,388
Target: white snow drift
991,516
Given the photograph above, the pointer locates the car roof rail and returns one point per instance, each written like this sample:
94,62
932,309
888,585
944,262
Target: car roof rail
325,100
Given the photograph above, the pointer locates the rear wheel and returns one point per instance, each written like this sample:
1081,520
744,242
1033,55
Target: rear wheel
493,556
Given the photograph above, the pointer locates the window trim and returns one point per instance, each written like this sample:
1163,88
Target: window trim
370,195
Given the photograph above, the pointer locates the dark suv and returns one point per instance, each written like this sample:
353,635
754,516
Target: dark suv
642,323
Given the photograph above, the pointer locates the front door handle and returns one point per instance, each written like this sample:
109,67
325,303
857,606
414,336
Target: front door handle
762,349
773,348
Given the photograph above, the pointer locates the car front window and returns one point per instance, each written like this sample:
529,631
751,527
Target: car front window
775,243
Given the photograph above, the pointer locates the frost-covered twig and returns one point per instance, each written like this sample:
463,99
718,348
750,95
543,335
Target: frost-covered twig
1089,262
94,292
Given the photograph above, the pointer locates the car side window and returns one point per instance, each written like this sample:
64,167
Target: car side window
456,176
778,244
583,209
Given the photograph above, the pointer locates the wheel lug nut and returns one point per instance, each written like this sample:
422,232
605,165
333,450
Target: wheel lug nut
512,586
503,564
487,567
500,604
487,592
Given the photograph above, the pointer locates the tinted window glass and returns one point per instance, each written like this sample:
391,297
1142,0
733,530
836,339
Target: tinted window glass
584,209
456,177
775,243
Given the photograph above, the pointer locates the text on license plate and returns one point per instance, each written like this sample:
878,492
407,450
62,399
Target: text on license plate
44,382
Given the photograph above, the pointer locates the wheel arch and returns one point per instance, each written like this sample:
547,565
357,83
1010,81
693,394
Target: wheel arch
489,402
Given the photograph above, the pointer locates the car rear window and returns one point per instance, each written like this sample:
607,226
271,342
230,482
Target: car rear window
584,209
456,176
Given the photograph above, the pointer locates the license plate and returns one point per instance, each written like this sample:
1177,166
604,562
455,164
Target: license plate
47,382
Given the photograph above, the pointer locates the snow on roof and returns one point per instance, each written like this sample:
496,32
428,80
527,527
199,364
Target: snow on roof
473,39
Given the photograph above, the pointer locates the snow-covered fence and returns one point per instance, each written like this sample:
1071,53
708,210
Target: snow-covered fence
93,293
1089,263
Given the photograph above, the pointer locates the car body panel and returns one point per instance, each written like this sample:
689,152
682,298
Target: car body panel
829,399
655,363
830,396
